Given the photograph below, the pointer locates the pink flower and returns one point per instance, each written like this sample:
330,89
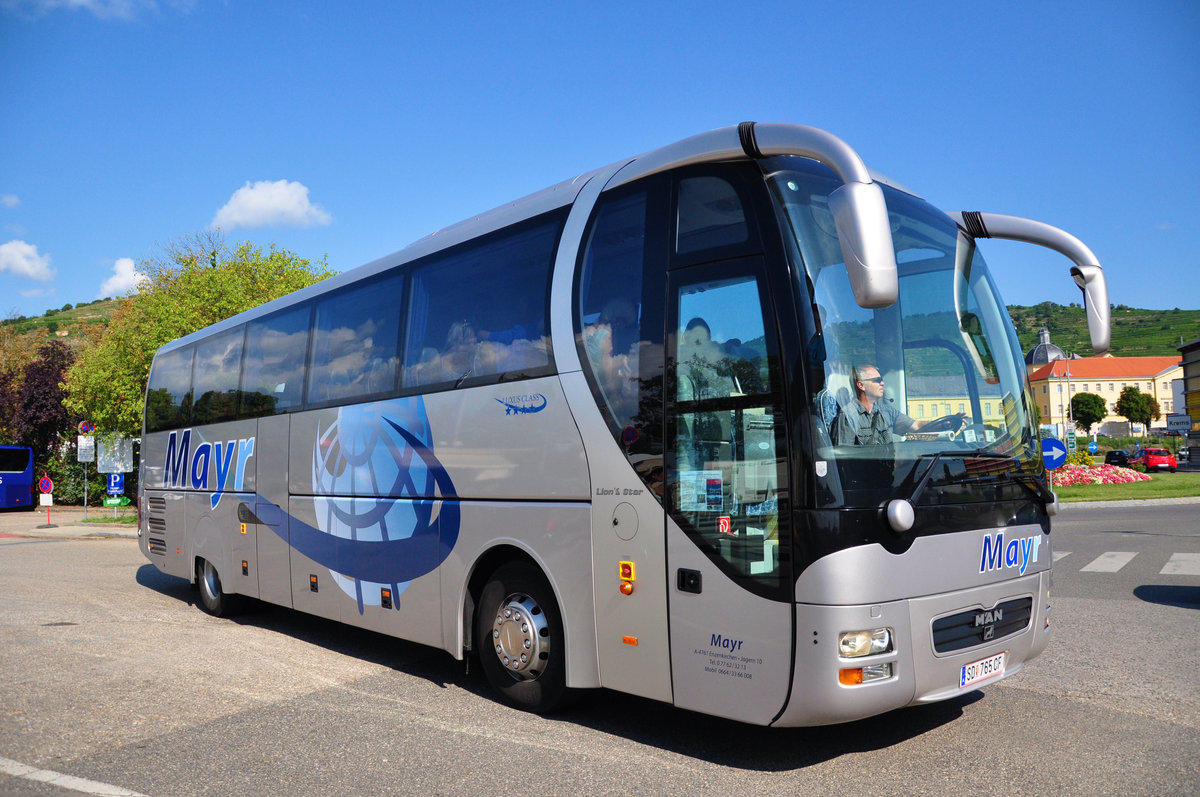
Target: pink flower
1076,475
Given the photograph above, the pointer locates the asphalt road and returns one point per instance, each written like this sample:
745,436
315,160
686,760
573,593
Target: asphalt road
112,675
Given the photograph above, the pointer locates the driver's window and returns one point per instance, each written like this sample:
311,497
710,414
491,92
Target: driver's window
727,473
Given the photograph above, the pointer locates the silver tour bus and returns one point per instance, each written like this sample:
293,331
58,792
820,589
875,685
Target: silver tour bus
737,425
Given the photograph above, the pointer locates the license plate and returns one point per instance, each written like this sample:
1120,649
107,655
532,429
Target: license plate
976,671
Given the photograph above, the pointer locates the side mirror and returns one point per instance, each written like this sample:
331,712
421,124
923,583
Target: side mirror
860,213
858,207
1087,272
1090,280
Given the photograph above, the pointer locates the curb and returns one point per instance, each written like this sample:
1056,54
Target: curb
1131,502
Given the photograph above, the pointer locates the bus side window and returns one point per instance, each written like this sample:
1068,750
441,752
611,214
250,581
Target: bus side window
355,341
169,393
218,363
610,308
478,314
273,369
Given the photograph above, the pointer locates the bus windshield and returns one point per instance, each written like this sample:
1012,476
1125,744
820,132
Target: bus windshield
931,390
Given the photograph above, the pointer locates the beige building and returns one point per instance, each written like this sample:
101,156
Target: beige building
1054,383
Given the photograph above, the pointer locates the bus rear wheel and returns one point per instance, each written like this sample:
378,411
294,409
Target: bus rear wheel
213,599
520,639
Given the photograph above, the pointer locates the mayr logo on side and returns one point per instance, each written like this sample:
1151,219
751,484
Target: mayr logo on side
1019,552
182,470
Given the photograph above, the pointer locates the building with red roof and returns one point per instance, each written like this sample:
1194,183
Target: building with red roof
1055,382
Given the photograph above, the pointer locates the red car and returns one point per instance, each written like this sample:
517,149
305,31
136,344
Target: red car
1155,459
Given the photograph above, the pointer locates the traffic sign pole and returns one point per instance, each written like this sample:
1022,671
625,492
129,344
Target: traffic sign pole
1054,454
47,488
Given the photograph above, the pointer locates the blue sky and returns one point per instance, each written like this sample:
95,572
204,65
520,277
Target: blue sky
349,130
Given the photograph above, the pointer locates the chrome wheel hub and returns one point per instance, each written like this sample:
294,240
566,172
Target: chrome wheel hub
210,582
521,637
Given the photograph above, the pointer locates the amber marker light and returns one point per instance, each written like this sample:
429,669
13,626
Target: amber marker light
630,640
626,588
864,675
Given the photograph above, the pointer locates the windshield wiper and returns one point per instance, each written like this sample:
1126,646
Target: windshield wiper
1015,475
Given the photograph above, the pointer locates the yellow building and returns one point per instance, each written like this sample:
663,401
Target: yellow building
1054,383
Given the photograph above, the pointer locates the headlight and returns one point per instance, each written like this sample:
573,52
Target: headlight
852,644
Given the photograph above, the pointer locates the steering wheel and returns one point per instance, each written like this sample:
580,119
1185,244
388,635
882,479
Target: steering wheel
946,423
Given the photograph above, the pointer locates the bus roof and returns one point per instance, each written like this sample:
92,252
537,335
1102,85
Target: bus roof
722,144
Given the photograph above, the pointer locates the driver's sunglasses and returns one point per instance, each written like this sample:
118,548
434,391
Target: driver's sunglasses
876,379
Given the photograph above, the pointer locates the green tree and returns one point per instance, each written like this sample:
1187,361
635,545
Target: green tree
1088,409
1136,406
193,283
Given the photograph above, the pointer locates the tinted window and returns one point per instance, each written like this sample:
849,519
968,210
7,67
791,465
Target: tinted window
355,339
218,365
710,215
620,320
169,392
14,460
478,314
610,305
273,373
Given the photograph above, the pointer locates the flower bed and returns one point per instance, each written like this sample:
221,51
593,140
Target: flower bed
1075,475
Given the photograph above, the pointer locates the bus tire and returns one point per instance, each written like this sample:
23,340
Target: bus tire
213,599
520,633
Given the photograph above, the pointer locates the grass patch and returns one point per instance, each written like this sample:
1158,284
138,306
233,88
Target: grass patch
104,516
1161,485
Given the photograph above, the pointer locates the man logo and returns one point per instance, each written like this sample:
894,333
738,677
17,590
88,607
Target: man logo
987,621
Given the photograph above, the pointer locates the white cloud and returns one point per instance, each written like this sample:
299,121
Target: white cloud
101,9
23,260
10,200
125,278
1165,225
266,204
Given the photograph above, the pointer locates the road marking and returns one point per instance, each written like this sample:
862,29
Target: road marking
1182,564
1060,554
1109,562
19,770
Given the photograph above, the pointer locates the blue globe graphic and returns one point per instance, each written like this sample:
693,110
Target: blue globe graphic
375,480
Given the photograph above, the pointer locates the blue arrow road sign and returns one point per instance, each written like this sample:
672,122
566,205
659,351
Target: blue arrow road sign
1092,447
1054,453
116,484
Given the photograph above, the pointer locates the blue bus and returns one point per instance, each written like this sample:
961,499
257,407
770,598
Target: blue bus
16,477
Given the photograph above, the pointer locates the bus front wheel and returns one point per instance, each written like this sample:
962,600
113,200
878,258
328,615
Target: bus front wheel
520,639
212,598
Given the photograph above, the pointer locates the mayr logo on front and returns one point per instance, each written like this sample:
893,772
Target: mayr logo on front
1019,552
180,469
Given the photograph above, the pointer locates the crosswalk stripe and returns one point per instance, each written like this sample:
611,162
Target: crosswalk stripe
1060,554
1182,564
1109,562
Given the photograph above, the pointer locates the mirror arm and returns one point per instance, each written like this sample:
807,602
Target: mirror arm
1086,273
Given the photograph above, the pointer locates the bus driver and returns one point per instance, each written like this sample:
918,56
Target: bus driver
871,419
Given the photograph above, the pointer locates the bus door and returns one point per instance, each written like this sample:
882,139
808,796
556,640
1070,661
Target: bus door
729,588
